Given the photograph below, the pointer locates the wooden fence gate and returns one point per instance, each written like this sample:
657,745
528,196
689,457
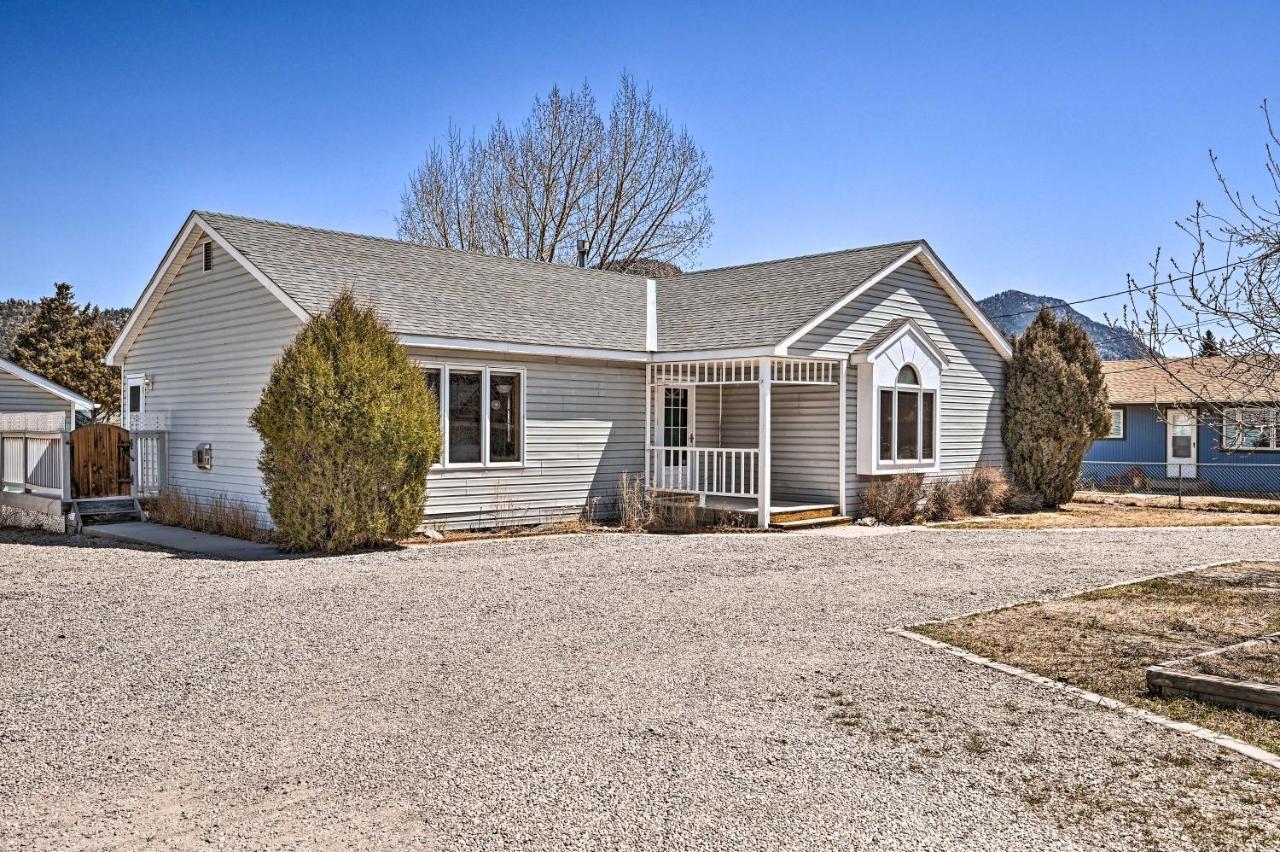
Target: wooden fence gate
100,461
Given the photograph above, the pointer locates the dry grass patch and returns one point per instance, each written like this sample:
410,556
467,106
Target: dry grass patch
1102,640
220,514
1117,515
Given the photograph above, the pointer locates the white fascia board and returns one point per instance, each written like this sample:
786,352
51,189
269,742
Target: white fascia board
935,267
46,385
791,339
428,342
167,270
714,354
651,315
909,327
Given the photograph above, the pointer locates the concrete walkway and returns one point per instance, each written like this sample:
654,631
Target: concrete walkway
187,541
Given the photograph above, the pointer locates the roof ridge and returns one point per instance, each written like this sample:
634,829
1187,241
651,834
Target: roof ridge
797,257
500,257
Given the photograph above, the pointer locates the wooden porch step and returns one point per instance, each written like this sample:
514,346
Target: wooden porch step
811,523
789,514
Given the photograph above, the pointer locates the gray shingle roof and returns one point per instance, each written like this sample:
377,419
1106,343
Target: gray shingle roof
464,295
442,292
760,304
886,331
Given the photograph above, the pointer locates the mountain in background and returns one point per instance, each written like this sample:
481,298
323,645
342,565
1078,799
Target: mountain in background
16,313
1013,310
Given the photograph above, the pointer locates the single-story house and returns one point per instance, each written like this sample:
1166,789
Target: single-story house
36,415
1212,428
764,387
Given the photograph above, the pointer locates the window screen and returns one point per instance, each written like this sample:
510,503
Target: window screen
504,417
464,417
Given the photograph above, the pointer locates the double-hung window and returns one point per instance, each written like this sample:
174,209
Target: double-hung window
1249,429
907,414
481,414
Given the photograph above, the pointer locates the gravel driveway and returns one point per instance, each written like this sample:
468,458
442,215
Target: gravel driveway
730,691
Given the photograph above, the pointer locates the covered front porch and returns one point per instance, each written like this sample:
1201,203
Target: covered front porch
764,435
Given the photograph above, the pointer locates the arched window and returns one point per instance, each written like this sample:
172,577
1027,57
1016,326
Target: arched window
907,417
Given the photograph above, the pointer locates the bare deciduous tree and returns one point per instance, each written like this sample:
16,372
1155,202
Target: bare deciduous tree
1227,285
632,186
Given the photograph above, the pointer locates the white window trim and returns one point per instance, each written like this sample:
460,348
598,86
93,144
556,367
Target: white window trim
131,379
485,370
1275,426
894,464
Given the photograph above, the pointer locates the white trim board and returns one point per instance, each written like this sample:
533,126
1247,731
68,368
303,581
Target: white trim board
934,266
183,244
46,385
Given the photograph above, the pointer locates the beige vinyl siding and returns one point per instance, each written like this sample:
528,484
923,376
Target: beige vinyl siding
972,387
584,428
21,397
208,348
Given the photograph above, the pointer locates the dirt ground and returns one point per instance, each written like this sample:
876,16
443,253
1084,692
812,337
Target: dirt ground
1079,514
1102,640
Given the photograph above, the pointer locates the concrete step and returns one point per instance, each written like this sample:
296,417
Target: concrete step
811,523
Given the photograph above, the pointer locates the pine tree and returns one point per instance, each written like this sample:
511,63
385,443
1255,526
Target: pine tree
1055,405
349,431
1209,345
68,344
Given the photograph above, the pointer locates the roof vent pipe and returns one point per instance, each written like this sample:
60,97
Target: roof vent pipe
582,252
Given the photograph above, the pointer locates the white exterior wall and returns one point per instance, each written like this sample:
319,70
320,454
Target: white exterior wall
584,428
972,392
19,397
208,349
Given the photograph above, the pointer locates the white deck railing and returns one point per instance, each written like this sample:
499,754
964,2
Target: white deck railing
712,471
35,463
745,371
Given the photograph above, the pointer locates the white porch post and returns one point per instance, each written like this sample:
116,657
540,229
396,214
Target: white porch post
648,422
766,429
844,435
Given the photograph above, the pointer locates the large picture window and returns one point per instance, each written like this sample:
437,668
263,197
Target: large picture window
481,414
907,417
1249,429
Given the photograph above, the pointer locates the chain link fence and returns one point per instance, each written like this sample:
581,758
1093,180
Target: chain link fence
1209,485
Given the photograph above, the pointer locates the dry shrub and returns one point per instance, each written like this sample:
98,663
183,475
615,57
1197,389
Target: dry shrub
673,514
1020,501
635,511
982,490
942,501
894,500
220,514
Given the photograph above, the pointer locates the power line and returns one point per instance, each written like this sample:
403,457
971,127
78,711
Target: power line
1127,290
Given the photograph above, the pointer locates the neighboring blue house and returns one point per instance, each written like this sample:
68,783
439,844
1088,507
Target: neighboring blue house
1161,439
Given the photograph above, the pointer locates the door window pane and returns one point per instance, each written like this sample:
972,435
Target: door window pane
504,417
908,424
464,417
886,425
926,428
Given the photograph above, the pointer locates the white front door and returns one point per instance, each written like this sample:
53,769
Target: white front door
135,399
1181,444
675,435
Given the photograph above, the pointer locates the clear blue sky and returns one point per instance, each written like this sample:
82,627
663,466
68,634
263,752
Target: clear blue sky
1037,148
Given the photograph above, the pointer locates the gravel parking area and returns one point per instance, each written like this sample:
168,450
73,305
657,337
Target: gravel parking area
733,691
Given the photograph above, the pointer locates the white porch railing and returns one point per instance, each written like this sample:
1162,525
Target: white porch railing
714,471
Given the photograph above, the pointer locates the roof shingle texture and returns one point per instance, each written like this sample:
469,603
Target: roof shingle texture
761,304
445,293
1189,380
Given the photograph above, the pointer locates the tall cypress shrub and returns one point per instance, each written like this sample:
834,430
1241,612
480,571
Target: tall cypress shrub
349,431
1055,405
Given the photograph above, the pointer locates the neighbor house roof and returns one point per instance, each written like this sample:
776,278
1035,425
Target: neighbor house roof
445,297
421,290
1187,380
46,385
